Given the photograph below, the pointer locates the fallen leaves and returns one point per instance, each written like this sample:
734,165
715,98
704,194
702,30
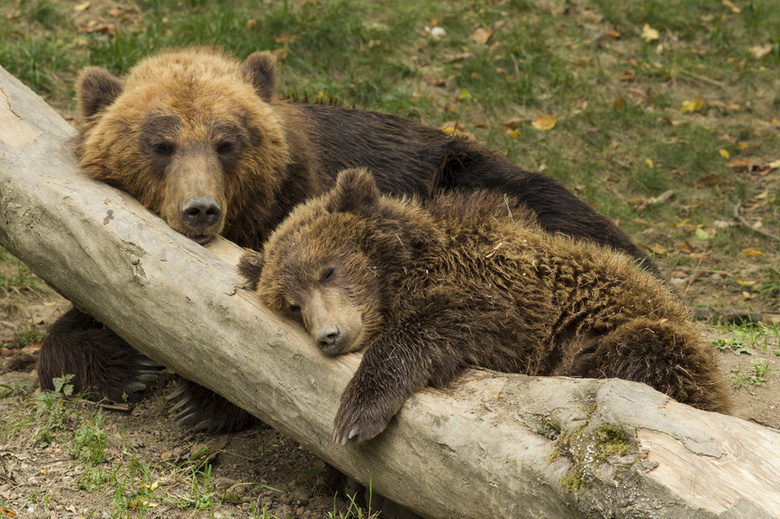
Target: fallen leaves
642,203
457,129
544,123
481,35
691,106
750,252
760,51
712,180
649,34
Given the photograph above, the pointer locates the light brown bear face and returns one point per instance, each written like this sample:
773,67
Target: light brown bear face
188,133
322,267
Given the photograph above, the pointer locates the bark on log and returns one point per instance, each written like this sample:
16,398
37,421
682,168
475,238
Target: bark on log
491,445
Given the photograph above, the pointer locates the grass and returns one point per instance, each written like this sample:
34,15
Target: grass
59,421
15,277
628,127
622,134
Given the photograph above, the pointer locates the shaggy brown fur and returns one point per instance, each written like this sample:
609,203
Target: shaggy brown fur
469,279
201,139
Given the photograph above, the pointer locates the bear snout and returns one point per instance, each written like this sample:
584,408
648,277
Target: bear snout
328,338
201,211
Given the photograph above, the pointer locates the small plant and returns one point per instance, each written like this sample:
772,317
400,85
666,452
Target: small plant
771,286
733,345
91,441
52,403
758,377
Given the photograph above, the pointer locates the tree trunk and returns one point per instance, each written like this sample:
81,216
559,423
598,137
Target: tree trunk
490,445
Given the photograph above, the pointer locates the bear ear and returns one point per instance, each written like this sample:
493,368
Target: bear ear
250,266
355,192
97,89
260,68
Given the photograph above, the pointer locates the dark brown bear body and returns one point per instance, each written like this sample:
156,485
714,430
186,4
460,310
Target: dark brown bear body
469,279
202,140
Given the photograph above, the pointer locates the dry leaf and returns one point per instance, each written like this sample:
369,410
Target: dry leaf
775,164
81,7
458,57
724,153
750,252
613,34
659,250
684,247
482,35
745,163
742,145
711,180
729,5
626,75
281,55
650,163
670,122
544,123
457,129
436,81
514,122
759,51
691,106
649,34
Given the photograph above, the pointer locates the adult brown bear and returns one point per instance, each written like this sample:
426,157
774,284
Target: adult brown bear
202,140
428,288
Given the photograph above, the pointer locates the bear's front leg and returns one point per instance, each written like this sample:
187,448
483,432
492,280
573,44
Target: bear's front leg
397,364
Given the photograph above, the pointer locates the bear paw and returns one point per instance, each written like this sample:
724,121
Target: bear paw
201,409
357,425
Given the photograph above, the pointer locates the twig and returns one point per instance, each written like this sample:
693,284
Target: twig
745,223
701,78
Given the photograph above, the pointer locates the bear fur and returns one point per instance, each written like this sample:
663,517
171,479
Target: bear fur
431,287
202,140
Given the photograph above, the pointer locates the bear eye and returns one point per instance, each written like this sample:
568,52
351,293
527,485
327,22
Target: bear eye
327,274
293,309
225,147
164,148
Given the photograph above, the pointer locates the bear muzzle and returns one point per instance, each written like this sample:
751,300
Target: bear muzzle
328,338
201,213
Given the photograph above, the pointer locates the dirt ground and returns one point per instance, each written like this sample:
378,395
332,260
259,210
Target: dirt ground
263,470
40,480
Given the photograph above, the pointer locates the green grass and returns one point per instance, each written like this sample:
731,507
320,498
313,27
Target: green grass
133,486
621,136
15,277
556,60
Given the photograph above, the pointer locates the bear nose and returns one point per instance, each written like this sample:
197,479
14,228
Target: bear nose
327,336
201,211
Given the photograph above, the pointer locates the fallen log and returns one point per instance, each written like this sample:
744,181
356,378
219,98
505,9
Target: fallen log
491,445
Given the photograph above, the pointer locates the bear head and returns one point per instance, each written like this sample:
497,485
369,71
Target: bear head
335,262
189,133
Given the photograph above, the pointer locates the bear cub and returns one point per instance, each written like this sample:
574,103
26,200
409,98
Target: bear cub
430,287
